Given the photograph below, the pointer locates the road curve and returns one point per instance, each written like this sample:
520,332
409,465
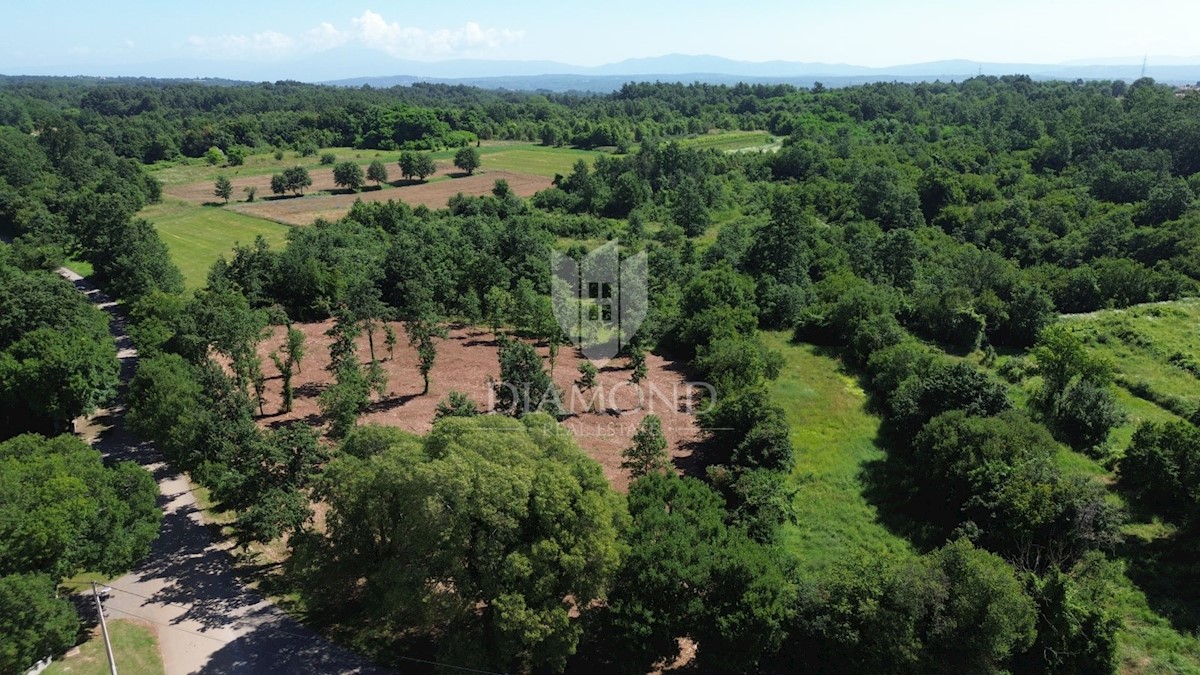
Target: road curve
207,621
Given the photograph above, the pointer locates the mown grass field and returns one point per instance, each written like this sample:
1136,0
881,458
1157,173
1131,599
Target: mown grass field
834,437
198,235
135,648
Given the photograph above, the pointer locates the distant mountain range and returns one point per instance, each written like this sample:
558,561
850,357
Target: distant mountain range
381,71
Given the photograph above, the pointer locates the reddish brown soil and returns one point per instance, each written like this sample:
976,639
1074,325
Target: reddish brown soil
318,203
466,360
202,193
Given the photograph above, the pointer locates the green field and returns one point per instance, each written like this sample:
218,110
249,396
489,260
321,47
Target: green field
135,649
536,160
834,437
1147,346
528,158
198,235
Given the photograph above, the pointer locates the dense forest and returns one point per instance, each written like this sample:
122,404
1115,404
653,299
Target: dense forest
915,231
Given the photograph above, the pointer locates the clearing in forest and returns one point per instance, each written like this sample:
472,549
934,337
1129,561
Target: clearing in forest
466,360
834,438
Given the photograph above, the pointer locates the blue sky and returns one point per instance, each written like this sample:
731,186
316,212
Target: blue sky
39,36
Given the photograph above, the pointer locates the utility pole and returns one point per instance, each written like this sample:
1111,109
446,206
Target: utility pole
112,663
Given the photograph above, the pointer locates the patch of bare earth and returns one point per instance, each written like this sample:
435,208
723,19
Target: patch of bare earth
604,420
306,209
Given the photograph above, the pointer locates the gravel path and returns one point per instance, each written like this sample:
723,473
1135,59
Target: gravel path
207,620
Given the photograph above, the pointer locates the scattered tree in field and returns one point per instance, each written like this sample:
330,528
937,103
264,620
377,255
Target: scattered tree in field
294,347
416,164
648,454
637,363
524,386
293,179
1161,469
377,380
424,166
284,366
251,192
328,158
237,155
456,404
389,340
467,159
377,172
346,399
348,175
421,333
587,376
223,188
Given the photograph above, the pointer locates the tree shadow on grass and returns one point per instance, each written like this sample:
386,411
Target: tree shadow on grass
1167,570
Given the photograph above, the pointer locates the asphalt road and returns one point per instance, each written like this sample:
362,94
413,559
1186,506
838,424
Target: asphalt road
207,621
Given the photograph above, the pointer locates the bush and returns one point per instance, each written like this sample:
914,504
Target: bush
328,158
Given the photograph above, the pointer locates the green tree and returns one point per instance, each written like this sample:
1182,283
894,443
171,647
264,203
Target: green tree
214,156
497,306
524,386
294,347
64,511
1161,469
456,404
637,363
328,159
389,340
346,399
348,175
648,454
688,574
421,335
377,172
58,375
424,166
408,164
223,188
34,621
467,159
460,507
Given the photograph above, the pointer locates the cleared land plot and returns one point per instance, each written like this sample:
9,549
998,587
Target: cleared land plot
197,235
306,210
202,192
733,141
465,361
135,647
834,437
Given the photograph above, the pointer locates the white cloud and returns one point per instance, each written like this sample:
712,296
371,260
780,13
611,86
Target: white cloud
265,44
370,30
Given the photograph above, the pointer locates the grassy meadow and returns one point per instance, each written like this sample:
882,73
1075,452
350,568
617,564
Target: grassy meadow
834,437
198,235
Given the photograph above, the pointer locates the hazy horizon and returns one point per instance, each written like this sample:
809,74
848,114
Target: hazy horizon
223,39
